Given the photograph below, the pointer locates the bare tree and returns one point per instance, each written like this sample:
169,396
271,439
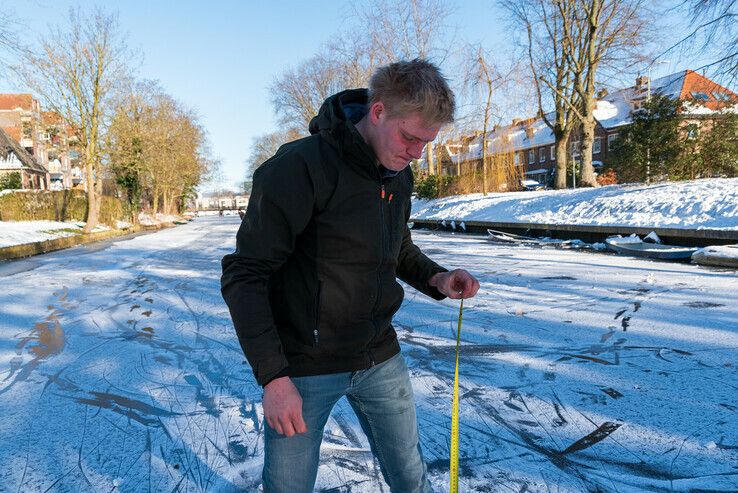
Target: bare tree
75,71
9,40
715,33
599,31
544,25
298,93
404,30
483,74
568,42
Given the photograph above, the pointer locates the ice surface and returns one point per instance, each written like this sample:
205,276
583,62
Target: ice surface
579,372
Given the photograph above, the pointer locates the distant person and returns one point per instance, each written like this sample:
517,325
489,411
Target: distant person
312,284
241,213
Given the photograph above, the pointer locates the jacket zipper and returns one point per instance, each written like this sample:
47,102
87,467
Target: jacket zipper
382,193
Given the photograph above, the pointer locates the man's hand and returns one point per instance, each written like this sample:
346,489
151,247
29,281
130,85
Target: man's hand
283,407
455,284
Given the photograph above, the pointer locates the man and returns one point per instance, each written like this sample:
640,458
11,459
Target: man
312,285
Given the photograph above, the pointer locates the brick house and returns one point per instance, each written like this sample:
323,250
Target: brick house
532,142
45,136
65,169
16,159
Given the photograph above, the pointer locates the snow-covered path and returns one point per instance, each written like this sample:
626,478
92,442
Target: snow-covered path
579,371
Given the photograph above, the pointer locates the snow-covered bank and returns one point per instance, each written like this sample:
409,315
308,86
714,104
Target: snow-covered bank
22,232
699,204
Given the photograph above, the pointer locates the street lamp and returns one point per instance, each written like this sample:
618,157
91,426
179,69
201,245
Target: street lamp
648,99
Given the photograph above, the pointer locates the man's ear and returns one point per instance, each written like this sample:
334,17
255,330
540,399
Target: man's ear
376,111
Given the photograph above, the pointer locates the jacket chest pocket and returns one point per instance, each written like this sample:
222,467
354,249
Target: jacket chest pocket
396,222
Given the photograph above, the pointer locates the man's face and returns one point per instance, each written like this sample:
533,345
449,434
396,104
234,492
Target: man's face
399,139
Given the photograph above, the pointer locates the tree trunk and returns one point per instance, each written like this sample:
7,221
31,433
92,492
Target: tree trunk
562,159
587,178
155,201
92,206
430,158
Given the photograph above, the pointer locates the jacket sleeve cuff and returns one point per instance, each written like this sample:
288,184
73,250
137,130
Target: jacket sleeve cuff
283,373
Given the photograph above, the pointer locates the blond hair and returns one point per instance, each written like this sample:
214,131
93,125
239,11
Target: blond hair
413,87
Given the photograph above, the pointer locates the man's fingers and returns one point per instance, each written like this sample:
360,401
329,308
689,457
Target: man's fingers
277,427
287,428
299,423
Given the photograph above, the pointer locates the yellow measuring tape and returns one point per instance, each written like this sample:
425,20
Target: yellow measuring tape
454,465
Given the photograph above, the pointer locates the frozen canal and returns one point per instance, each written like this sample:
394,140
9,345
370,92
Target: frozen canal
119,371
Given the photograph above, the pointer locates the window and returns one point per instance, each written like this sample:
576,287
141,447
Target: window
597,145
700,96
723,97
542,155
552,152
531,156
611,139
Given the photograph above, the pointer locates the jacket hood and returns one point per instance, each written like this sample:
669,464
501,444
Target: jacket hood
335,123
337,110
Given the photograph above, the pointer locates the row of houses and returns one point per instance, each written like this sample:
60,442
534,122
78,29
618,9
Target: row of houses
38,145
221,201
532,142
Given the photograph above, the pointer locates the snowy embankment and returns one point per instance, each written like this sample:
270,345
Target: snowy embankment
23,232
699,204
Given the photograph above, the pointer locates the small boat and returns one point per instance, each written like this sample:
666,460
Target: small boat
502,237
720,256
634,246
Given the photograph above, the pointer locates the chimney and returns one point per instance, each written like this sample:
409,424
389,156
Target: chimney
602,93
641,81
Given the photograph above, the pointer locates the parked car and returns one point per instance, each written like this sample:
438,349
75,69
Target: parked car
531,185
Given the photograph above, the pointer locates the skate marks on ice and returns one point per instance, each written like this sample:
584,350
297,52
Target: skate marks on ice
132,380
554,392
146,388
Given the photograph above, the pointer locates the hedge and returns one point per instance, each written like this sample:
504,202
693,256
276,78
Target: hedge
63,205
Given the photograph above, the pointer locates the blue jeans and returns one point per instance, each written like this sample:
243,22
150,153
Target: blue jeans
382,399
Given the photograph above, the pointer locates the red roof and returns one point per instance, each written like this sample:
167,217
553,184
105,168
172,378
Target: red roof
702,90
51,118
14,101
13,132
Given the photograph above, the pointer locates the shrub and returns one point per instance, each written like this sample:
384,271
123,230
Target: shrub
64,205
434,186
609,177
11,181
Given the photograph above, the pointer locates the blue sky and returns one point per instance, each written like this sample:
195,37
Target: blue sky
220,57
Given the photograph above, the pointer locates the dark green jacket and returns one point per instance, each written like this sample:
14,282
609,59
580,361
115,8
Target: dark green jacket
312,284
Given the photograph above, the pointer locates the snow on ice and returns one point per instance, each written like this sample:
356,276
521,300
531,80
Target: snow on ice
580,371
